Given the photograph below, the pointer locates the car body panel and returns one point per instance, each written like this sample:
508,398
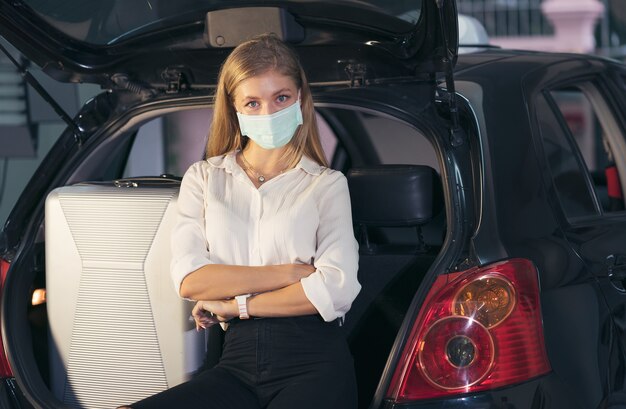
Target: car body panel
520,211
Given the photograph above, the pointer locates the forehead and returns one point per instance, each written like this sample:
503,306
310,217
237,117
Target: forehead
265,84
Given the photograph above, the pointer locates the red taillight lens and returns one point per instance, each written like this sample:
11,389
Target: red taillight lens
466,348
5,369
480,329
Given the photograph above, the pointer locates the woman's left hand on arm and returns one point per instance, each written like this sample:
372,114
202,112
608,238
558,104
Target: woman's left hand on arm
208,313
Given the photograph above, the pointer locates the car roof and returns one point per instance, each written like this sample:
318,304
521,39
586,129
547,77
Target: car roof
493,56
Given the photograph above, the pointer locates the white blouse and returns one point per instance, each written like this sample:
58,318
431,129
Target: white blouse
300,216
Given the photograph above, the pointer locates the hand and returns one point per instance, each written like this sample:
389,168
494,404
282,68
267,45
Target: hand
208,313
203,318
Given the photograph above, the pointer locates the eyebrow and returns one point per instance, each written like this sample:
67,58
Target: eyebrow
281,91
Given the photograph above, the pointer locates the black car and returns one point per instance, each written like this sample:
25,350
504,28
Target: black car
486,188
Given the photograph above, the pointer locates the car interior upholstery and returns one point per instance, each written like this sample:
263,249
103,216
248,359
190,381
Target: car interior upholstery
388,199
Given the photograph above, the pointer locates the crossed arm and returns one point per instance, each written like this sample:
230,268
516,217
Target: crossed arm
328,288
280,292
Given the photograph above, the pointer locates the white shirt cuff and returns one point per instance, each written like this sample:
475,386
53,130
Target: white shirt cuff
182,267
317,293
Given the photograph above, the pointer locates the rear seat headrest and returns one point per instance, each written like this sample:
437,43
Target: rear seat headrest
394,195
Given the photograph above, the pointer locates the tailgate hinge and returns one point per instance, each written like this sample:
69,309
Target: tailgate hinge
357,72
175,80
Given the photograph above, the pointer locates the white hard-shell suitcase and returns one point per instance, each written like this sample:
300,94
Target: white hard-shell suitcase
118,330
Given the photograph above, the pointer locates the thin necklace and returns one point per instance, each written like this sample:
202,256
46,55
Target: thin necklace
258,176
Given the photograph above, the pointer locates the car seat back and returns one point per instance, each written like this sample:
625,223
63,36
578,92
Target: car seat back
387,198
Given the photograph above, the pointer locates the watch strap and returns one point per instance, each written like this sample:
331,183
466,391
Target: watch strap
242,304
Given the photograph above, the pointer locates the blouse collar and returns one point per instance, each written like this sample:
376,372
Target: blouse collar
229,163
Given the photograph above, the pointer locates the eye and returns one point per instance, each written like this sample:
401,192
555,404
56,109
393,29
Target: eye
282,98
252,104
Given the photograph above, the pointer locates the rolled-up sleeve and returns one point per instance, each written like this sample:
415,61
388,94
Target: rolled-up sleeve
188,241
333,286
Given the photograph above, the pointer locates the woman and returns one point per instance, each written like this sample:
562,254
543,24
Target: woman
265,242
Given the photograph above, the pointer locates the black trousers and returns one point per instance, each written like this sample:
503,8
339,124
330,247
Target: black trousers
273,363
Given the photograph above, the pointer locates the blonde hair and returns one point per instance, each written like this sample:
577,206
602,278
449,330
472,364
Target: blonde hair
255,57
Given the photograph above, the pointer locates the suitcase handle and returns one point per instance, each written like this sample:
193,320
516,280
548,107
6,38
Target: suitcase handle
148,181
125,183
164,180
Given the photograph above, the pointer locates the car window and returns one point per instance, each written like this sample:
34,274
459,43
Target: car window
395,142
580,137
169,143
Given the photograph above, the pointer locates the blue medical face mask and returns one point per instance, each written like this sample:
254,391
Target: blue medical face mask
274,130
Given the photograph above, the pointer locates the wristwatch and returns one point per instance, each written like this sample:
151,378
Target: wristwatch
242,303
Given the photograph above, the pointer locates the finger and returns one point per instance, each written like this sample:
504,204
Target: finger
211,320
205,321
202,325
206,324
198,325
196,310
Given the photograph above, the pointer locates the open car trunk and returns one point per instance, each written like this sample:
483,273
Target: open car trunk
372,65
359,138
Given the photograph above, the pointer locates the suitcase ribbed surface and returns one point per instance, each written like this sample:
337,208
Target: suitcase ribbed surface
114,355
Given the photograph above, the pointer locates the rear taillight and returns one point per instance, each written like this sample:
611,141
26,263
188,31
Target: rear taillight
477,330
5,369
